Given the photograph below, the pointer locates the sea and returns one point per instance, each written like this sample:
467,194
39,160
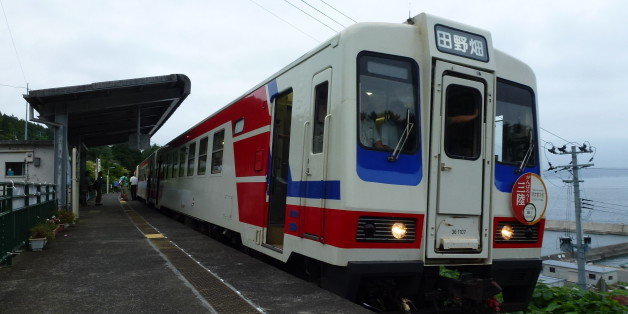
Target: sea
605,198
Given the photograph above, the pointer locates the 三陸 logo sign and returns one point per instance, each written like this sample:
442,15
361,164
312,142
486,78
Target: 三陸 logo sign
529,198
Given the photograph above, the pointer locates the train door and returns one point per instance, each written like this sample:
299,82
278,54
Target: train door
314,173
279,169
460,175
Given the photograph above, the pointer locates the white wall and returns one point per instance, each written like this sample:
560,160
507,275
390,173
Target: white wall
571,275
16,153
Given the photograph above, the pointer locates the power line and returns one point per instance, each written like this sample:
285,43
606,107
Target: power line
606,203
290,3
568,141
329,5
277,16
323,13
13,86
13,42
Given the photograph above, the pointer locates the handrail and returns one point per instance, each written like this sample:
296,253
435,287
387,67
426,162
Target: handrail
327,131
22,205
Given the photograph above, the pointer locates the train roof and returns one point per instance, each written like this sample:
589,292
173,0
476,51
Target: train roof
422,20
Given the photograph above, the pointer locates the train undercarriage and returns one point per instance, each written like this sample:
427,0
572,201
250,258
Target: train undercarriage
411,287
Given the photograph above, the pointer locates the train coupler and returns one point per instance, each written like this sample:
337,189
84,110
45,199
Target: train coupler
470,288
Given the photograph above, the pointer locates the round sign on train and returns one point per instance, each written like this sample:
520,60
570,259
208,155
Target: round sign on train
529,198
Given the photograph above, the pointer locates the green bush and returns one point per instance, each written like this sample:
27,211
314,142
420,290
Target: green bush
570,299
43,230
65,216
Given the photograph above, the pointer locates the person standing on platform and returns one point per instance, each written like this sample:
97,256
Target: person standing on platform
98,185
124,184
133,187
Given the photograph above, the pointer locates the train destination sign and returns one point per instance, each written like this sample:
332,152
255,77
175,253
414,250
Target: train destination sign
529,198
461,43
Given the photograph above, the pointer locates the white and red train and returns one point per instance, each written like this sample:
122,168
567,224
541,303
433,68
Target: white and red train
384,153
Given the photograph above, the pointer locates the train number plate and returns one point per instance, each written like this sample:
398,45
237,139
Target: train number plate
458,233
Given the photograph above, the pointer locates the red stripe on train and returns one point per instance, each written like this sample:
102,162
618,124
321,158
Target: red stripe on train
253,108
252,206
512,245
251,156
340,227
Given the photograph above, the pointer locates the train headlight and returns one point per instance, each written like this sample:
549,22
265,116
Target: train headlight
507,232
399,230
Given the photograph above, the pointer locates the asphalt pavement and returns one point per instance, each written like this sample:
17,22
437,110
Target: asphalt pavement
106,263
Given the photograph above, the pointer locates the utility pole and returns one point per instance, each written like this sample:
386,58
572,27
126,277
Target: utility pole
26,118
580,246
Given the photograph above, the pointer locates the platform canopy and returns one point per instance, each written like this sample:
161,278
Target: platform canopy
108,113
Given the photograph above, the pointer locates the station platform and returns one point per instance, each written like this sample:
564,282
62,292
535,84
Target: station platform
127,257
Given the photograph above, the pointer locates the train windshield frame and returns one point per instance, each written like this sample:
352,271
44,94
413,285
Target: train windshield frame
387,100
515,122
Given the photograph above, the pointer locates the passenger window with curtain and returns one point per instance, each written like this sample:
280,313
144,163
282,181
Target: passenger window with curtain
191,157
463,122
182,162
218,145
202,156
320,112
387,102
172,157
515,125
168,166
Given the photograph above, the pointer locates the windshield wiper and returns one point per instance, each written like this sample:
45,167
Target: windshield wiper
402,140
526,158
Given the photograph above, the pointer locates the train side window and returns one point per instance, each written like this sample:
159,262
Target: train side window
320,111
182,162
463,127
168,166
172,160
515,123
218,145
202,156
191,157
239,126
175,163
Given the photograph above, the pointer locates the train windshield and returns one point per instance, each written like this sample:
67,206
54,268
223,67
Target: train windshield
515,125
387,102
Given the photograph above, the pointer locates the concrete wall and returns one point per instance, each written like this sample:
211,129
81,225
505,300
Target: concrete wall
589,227
571,275
17,153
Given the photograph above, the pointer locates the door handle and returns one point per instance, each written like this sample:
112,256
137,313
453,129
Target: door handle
443,167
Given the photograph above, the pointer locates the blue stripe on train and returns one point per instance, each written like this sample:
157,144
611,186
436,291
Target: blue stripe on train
315,189
373,166
272,90
505,175
310,189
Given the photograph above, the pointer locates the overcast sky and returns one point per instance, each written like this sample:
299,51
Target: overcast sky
578,50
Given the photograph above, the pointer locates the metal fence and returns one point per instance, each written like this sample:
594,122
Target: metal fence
22,206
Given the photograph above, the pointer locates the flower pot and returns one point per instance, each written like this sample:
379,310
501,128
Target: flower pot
58,229
37,244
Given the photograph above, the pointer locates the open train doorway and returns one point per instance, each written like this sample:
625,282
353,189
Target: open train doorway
280,169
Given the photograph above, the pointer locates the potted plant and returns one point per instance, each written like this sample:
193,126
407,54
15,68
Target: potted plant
55,224
40,234
66,217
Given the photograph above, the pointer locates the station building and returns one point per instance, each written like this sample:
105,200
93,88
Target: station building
26,161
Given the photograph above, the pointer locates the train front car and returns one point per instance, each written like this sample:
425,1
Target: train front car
381,156
445,127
